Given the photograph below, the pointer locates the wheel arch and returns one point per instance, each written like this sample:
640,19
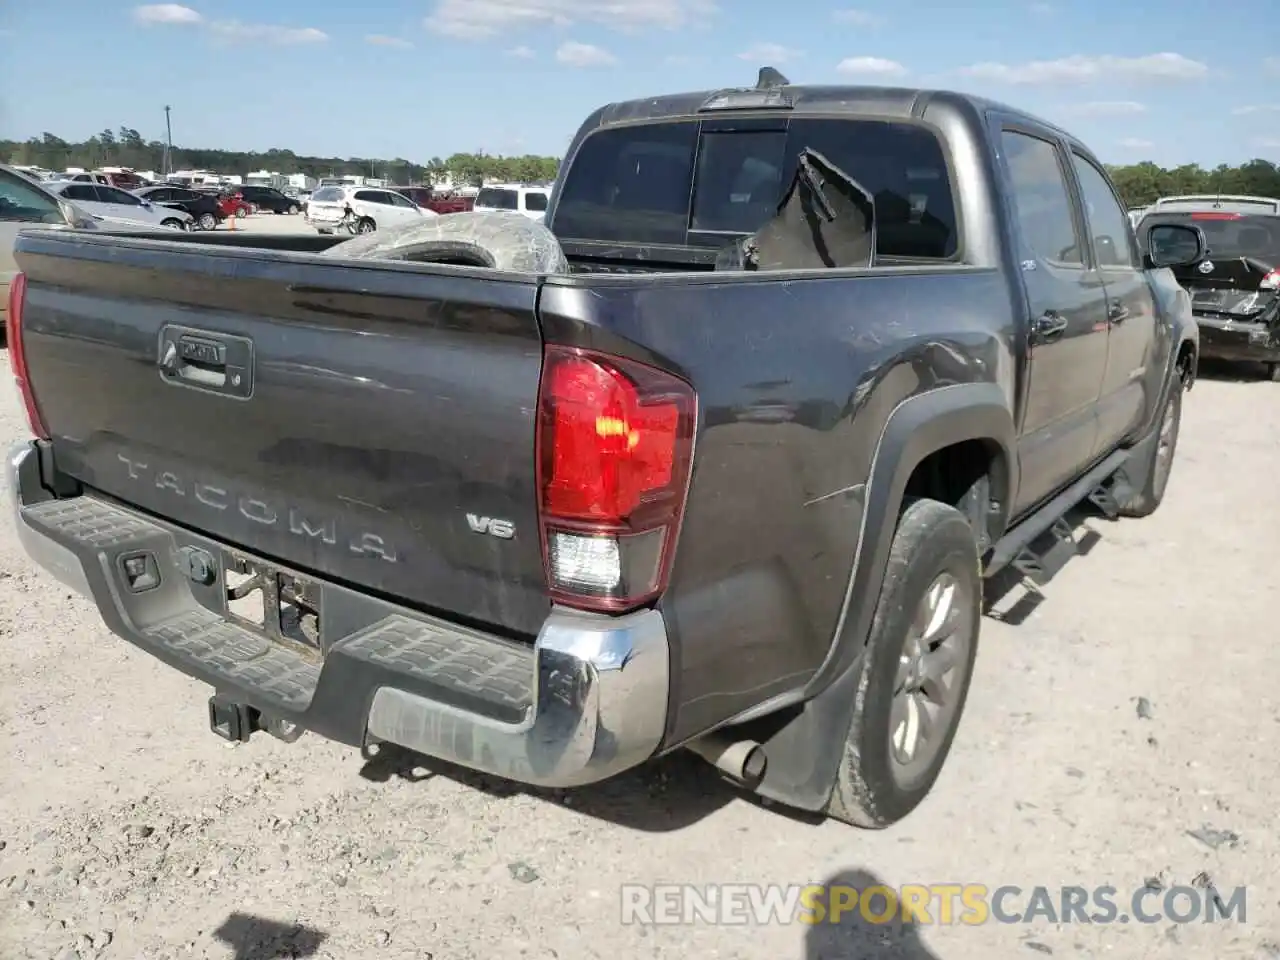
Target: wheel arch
804,744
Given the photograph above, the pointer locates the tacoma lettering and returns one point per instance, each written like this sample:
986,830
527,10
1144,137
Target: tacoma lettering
291,519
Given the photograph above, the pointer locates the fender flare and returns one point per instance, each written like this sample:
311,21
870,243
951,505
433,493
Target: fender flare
917,427
805,751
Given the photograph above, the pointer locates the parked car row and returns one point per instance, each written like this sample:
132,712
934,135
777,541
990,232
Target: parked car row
362,209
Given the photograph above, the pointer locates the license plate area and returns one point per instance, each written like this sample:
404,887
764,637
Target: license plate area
285,607
1208,298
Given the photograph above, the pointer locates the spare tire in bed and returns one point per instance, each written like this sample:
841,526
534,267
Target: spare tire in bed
496,239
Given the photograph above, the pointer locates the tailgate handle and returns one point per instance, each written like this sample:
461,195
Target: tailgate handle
206,361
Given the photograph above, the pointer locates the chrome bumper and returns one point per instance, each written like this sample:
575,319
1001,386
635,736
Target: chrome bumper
594,702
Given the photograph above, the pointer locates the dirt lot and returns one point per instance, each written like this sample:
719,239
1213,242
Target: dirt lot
127,830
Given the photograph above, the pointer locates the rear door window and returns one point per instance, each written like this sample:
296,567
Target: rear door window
638,184
1042,200
535,201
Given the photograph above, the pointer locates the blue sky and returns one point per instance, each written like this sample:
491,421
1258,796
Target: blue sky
423,78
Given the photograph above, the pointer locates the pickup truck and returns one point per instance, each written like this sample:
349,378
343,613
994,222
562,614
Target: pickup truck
816,361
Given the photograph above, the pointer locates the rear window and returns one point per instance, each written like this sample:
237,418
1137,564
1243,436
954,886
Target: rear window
673,183
1230,235
496,199
327,195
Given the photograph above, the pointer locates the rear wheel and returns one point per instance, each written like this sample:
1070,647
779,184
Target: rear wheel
915,672
293,209
366,225
208,221
240,212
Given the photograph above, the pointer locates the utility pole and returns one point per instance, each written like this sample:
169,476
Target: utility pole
168,144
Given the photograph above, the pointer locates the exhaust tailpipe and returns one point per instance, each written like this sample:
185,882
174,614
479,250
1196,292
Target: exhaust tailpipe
743,760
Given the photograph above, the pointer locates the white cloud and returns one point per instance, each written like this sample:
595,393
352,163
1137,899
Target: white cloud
521,53
1268,143
235,31
858,18
381,40
481,19
1258,108
267,33
870,67
769,54
166,13
1106,108
1084,69
1136,143
574,54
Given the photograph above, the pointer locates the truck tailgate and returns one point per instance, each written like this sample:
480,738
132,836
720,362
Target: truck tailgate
373,423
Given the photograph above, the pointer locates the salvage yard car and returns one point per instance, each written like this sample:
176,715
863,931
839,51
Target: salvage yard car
1235,292
720,464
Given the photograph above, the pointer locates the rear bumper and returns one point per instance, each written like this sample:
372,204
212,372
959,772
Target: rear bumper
586,702
1238,340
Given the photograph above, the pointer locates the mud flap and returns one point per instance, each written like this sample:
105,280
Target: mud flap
826,219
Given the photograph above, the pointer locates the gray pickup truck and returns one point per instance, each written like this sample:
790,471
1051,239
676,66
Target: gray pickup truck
725,473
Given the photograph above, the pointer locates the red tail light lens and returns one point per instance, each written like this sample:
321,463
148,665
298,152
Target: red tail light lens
18,357
1271,281
615,448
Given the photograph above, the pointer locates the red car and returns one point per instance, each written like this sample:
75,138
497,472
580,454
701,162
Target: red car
426,198
234,205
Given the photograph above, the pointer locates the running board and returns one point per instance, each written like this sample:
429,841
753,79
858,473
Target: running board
1014,547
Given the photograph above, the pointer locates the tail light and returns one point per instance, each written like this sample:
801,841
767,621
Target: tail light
615,450
1215,216
1271,281
18,356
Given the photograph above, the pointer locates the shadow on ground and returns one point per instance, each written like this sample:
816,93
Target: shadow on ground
1232,371
260,938
1051,553
662,796
853,937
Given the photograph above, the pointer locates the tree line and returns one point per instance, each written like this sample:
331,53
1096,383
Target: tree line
127,148
1139,183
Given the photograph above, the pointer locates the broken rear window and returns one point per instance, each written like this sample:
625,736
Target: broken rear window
637,184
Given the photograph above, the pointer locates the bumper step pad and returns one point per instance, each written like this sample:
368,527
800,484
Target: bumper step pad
445,657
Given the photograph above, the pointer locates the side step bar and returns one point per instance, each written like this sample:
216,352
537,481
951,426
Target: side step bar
1012,546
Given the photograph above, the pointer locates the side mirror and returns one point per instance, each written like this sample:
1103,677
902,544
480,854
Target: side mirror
1175,245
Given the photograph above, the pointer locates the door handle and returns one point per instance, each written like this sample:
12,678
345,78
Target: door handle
1118,313
1049,326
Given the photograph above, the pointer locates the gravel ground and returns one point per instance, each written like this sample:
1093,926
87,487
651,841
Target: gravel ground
127,830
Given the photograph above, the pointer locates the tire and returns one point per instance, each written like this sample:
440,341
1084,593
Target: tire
501,241
1145,499
240,213
172,224
208,221
293,209
1273,372
365,225
933,556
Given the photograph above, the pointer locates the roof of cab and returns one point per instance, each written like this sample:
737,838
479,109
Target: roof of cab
854,100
